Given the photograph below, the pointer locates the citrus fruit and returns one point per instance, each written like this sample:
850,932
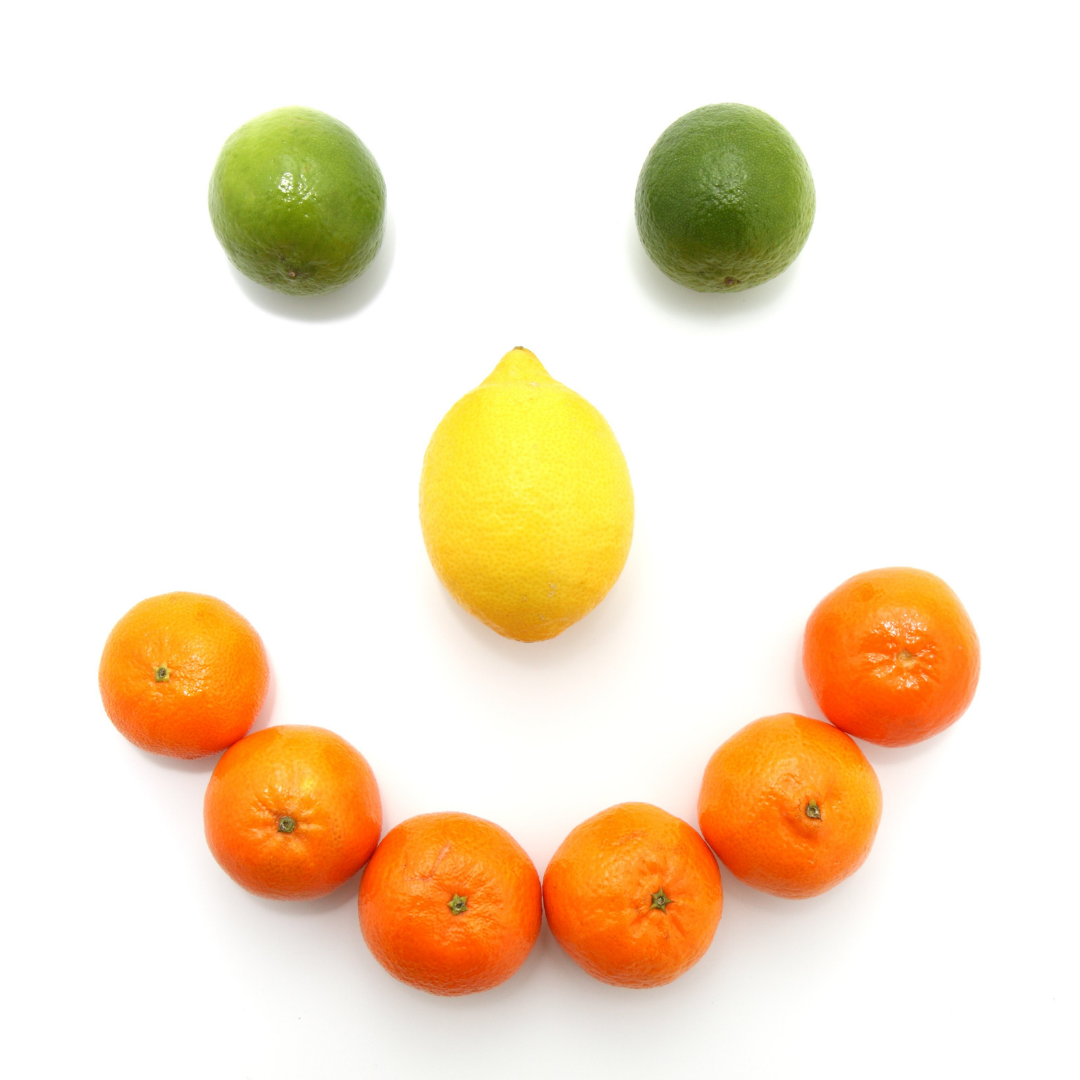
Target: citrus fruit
183,675
297,201
525,502
725,199
291,812
450,903
790,805
891,656
633,894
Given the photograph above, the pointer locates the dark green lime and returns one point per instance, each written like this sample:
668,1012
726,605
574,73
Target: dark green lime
725,199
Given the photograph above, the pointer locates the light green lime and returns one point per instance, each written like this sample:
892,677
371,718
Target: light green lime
725,199
297,201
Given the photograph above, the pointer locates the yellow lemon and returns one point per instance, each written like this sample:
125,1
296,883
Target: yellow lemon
525,502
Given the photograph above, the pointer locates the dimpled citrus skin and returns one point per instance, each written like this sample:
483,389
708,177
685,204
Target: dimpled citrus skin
306,777
725,199
425,867
297,201
790,805
525,502
183,675
601,888
892,656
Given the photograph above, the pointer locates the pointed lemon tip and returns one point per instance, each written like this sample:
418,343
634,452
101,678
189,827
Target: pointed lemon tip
518,365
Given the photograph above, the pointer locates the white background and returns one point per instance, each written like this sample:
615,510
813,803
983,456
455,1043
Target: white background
905,394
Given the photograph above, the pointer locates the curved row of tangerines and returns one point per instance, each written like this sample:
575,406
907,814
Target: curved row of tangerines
451,903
